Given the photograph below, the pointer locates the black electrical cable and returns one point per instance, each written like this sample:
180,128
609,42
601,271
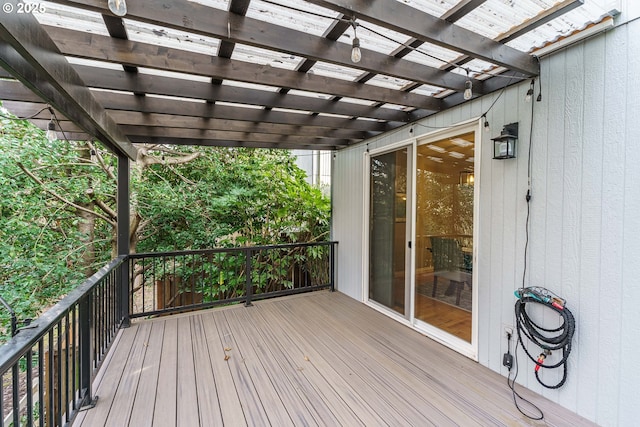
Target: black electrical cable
512,385
548,340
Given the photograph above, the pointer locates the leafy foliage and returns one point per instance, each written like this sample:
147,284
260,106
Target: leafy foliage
57,208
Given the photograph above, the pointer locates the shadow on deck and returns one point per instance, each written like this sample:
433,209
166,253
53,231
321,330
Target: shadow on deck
314,359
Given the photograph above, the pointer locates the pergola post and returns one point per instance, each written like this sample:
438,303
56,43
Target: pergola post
123,201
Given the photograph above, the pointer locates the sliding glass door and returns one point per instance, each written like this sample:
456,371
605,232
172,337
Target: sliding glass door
388,231
444,234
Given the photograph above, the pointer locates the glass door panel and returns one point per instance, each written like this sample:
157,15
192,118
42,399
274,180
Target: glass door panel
388,229
444,234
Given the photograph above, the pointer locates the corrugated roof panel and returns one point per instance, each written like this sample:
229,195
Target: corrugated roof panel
370,38
335,71
260,56
577,19
427,90
357,101
68,17
388,82
168,37
431,55
435,8
92,63
250,86
291,14
217,4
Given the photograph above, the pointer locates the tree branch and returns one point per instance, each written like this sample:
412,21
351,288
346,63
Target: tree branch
62,199
104,167
102,205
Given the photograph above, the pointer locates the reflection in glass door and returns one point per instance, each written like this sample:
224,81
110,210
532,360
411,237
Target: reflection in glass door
444,234
388,229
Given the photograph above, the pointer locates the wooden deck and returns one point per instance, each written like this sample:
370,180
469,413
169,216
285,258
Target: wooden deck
314,359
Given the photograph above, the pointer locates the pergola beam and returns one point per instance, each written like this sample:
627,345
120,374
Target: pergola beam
225,135
30,55
222,143
185,122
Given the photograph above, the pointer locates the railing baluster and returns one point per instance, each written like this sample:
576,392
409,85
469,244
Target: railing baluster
15,393
29,386
248,285
41,382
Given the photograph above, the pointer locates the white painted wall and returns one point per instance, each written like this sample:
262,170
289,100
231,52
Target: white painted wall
585,216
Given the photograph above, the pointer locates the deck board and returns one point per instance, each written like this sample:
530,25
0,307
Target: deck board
315,359
164,405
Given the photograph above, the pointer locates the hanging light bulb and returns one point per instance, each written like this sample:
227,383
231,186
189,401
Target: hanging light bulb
486,124
51,131
118,7
468,93
356,53
529,93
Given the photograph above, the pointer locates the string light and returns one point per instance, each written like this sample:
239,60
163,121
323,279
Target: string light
486,124
118,7
529,92
356,54
51,129
468,92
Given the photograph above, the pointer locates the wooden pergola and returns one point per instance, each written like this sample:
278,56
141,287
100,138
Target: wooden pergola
215,99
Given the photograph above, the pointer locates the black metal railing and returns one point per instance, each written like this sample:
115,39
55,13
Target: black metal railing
169,282
47,368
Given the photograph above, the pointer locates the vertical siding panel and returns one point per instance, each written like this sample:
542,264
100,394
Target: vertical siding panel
587,332
508,244
572,202
498,173
630,317
485,255
612,231
542,134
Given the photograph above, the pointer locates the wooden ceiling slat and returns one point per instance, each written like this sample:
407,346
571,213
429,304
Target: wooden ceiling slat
115,101
171,121
228,143
31,56
229,135
196,18
102,48
397,16
116,80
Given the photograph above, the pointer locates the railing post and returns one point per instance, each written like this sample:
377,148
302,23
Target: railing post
86,325
123,280
248,284
123,201
332,265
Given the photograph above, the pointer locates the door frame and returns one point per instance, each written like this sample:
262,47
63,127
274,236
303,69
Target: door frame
463,347
410,145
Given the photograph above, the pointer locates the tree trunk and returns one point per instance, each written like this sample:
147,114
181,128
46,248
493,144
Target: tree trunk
86,227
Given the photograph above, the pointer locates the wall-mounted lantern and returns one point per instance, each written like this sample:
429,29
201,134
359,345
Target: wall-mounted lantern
504,146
